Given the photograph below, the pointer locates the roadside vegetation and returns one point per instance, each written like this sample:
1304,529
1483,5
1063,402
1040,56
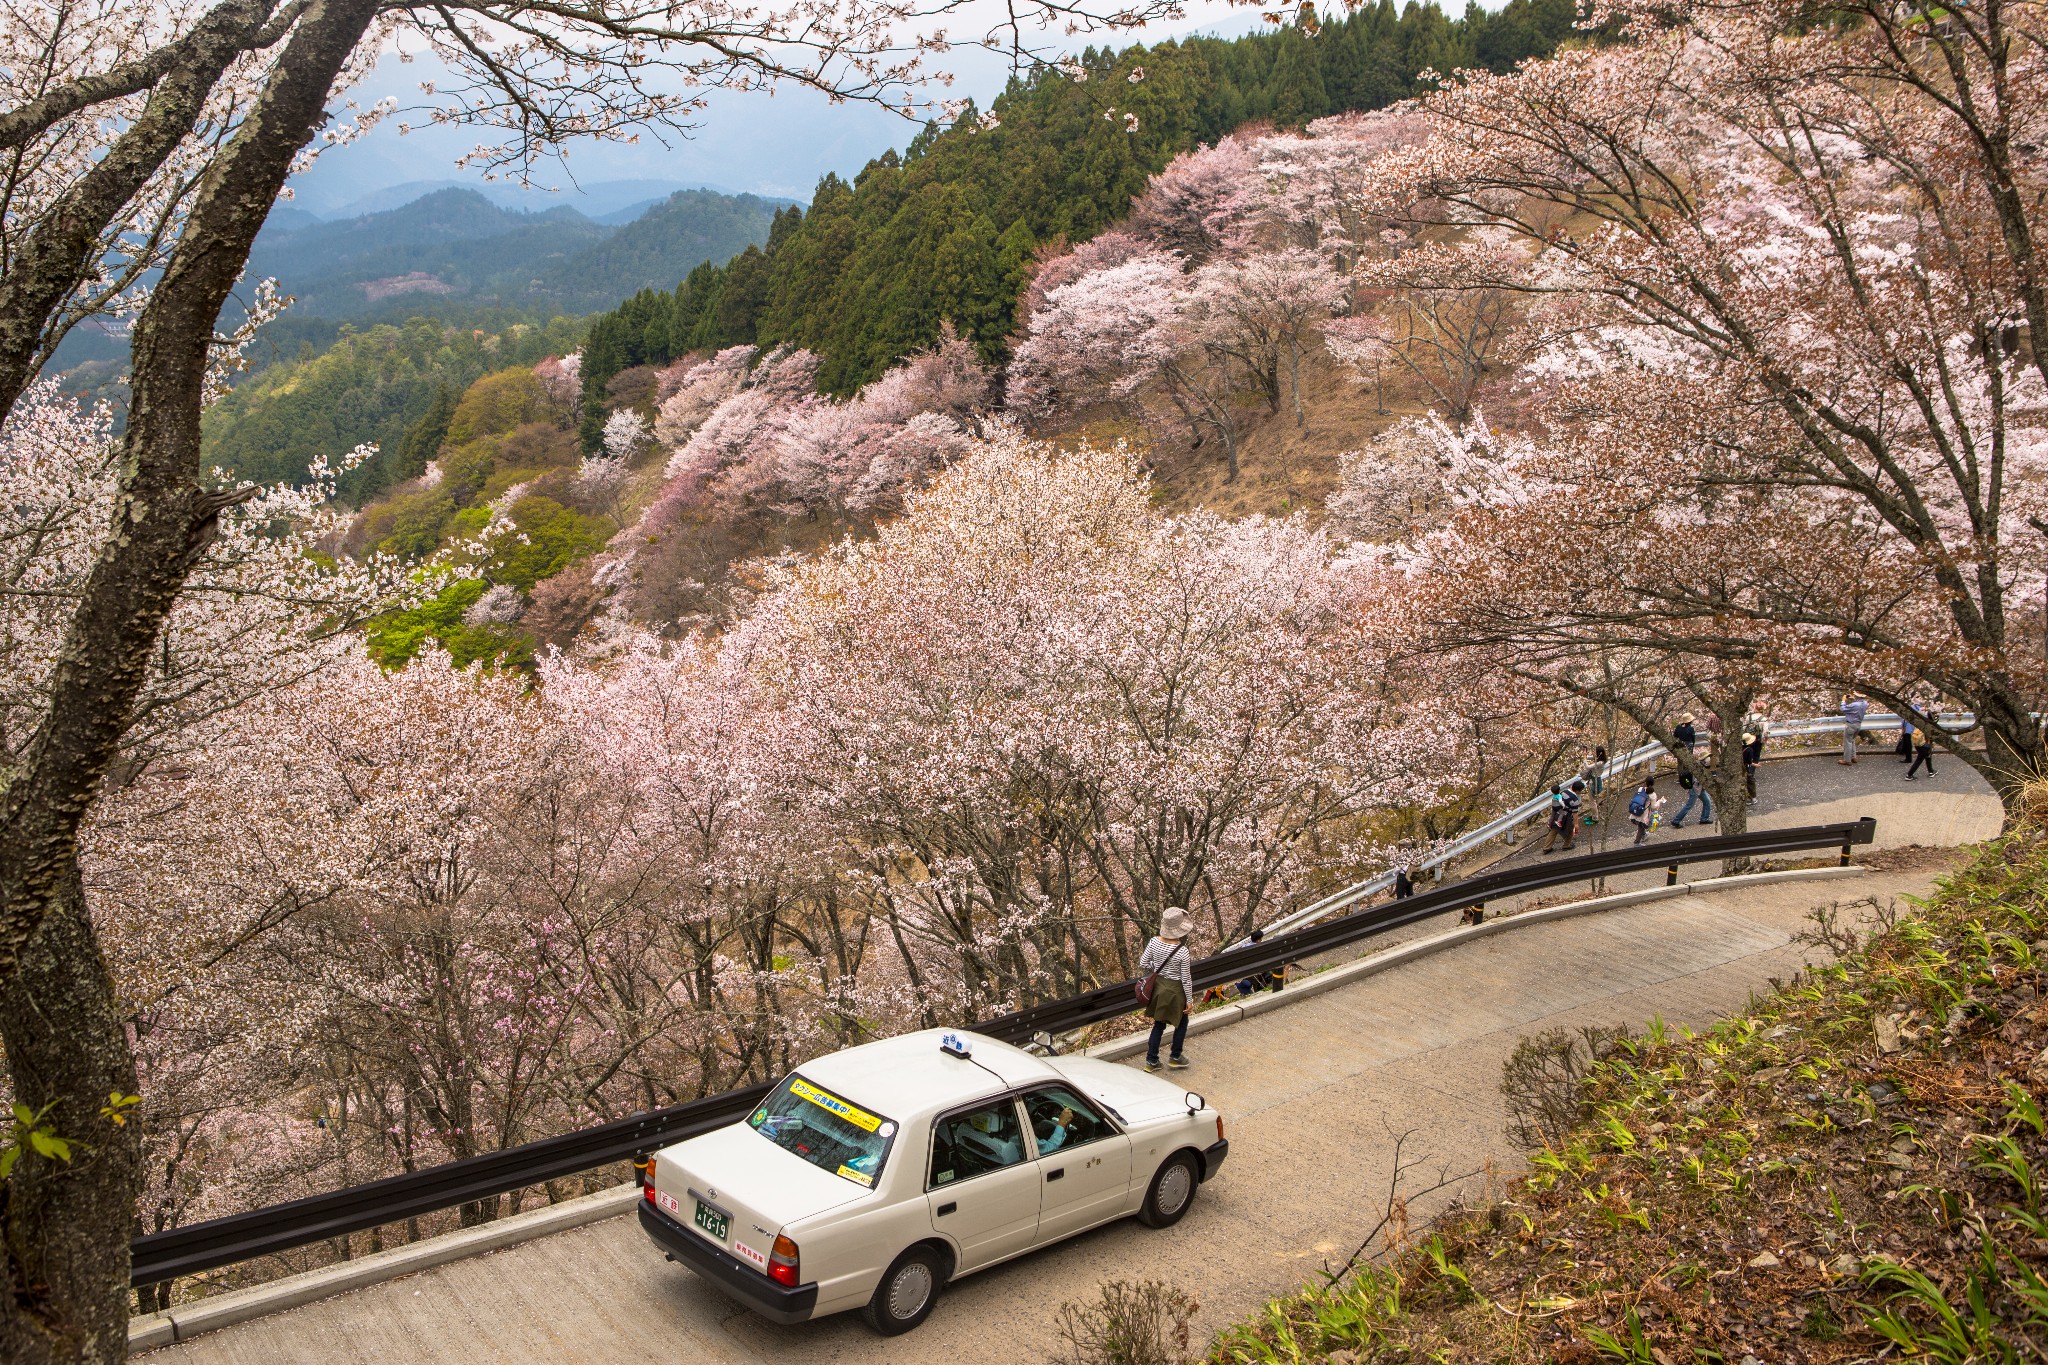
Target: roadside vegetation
1853,1169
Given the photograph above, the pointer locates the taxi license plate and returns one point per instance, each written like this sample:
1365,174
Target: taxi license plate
712,1221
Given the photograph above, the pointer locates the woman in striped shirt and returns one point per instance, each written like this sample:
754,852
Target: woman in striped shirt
1167,955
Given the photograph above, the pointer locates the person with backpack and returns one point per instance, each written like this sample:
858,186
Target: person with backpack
1923,753
1752,754
1642,807
1166,985
1560,820
1695,792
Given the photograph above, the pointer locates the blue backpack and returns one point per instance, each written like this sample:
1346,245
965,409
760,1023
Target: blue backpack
1639,803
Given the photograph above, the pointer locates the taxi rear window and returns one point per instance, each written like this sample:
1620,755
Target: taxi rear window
831,1132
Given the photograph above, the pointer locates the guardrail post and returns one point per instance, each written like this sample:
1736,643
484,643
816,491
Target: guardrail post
1671,875
1845,850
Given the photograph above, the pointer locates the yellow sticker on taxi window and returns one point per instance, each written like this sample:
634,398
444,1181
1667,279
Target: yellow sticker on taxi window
851,1174
833,1104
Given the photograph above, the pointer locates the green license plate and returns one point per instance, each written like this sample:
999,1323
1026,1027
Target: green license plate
712,1221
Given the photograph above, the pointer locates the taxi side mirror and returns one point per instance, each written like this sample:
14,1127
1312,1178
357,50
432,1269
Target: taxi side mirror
1195,1102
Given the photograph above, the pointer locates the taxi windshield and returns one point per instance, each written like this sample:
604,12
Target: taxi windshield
831,1133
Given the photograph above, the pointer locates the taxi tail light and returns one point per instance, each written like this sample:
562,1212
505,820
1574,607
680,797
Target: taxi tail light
643,1171
782,1262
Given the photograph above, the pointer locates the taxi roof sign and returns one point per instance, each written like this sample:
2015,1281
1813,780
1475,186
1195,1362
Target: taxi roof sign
953,1045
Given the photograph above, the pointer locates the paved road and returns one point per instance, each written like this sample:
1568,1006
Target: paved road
1312,1092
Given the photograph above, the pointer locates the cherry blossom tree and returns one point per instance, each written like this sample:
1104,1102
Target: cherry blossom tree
1129,335
1205,203
1259,311
561,379
148,142
1310,180
1777,287
1106,712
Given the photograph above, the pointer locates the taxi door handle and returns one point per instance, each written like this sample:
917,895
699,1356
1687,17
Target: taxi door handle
1056,1173
945,1209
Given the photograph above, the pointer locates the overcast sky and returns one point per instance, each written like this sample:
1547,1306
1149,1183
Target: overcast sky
778,144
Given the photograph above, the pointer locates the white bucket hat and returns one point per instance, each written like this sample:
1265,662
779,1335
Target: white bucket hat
1174,924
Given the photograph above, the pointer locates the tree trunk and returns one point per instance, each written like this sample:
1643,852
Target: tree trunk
66,1228
1294,379
2014,754
64,1277
1728,787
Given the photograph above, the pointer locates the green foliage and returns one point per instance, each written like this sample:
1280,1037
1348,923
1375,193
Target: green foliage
423,439
553,537
377,386
416,522
394,639
1963,1325
30,1131
943,231
497,404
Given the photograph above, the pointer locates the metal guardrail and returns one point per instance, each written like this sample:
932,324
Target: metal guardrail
1539,805
302,1222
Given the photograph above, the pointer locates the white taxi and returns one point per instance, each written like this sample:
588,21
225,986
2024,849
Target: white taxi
872,1177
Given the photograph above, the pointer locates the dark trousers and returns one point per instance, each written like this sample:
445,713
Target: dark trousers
1922,754
1180,1037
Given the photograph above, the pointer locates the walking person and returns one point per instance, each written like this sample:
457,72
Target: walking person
1560,820
1166,956
1686,732
1923,752
1642,807
1752,754
1592,782
1695,793
1854,709
1904,748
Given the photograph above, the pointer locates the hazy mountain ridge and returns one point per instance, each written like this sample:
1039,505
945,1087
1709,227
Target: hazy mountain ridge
456,244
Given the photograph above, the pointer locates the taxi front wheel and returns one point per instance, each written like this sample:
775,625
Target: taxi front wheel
907,1292
1173,1190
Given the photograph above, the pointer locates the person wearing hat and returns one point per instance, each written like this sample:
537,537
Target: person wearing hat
1167,955
1752,754
1854,708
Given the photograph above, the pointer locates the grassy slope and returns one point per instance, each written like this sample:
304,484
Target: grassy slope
1854,1169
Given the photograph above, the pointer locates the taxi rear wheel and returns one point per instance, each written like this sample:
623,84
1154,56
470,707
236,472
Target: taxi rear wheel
1172,1192
907,1292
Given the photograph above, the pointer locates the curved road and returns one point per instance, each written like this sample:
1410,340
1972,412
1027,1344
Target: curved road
1313,1094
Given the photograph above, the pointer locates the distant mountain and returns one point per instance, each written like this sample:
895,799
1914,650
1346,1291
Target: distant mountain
454,247
620,217
601,201
659,247
290,217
